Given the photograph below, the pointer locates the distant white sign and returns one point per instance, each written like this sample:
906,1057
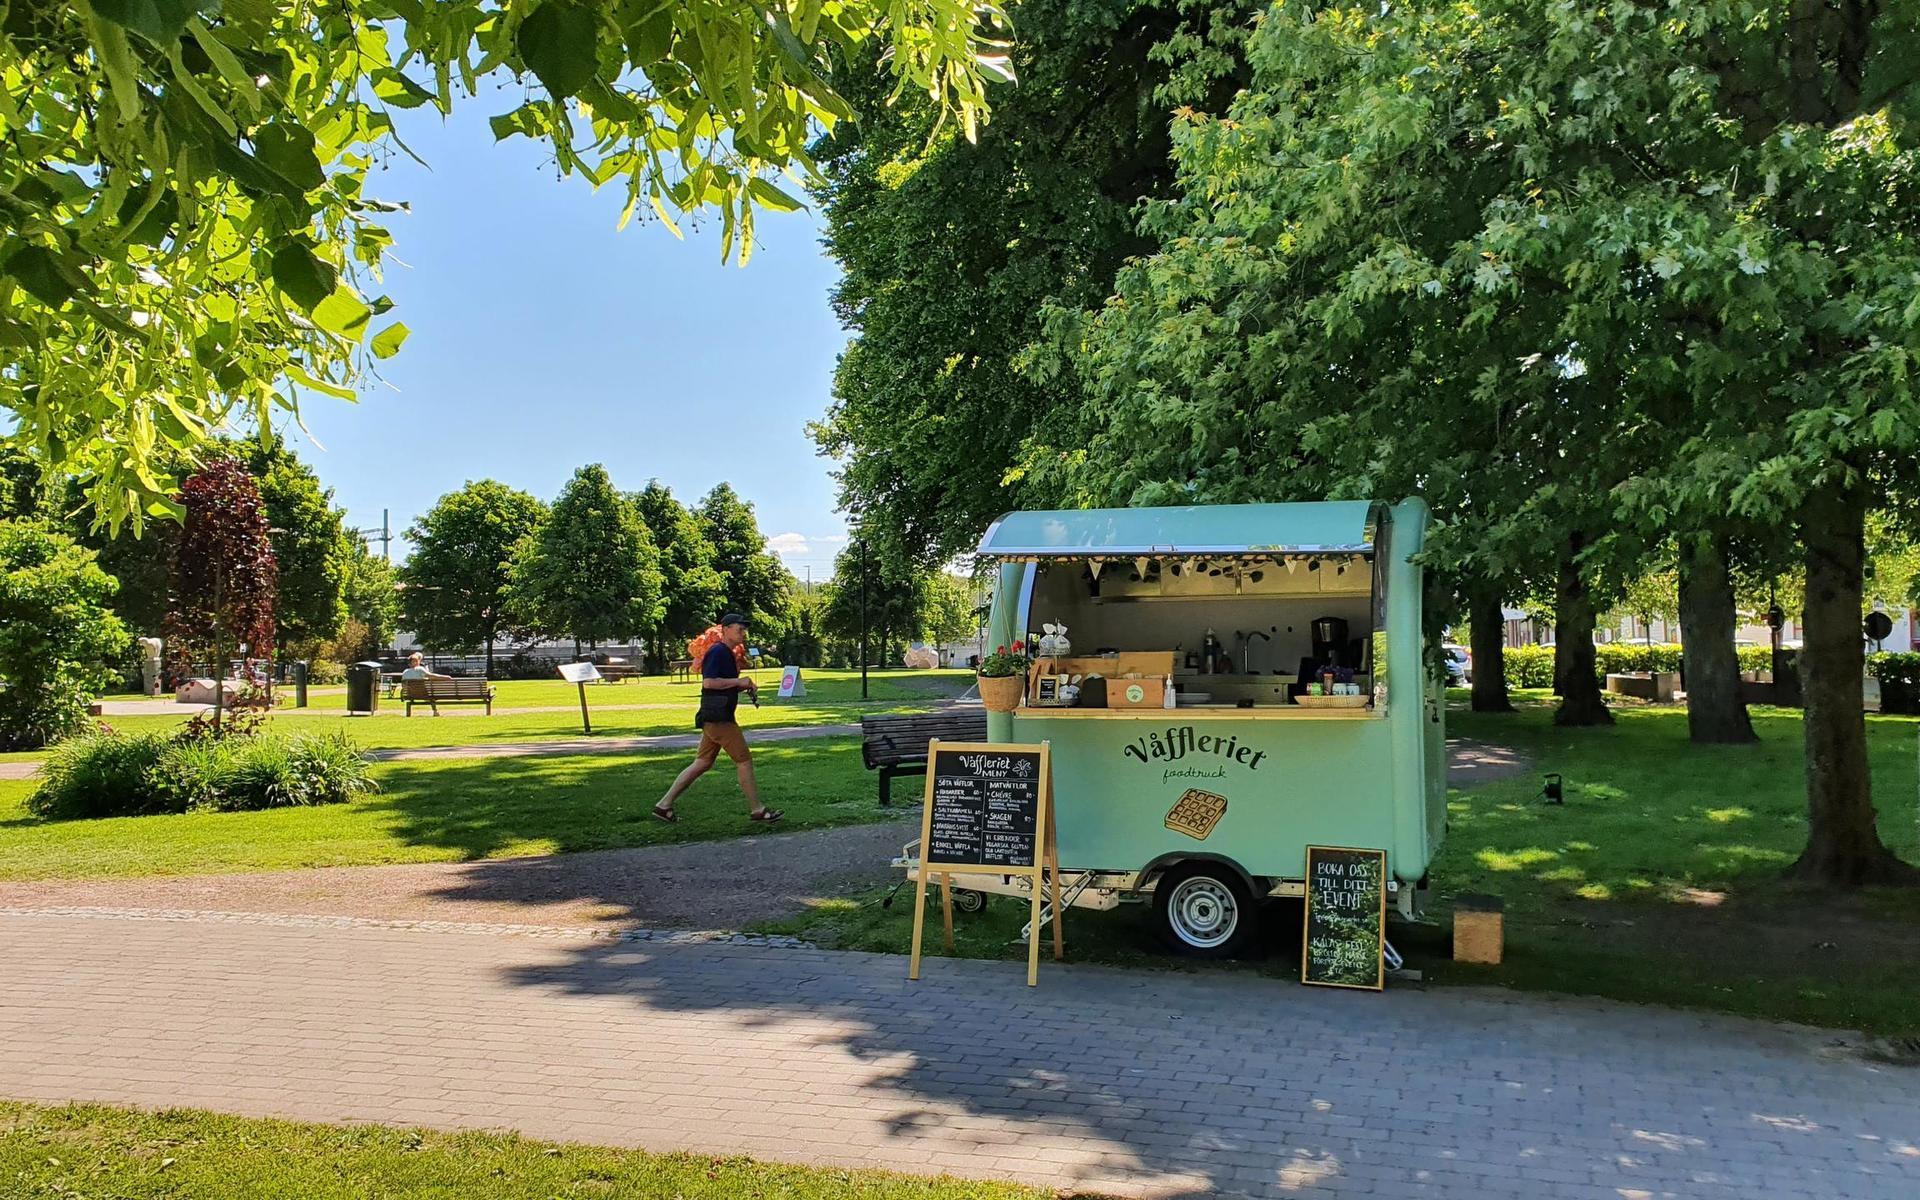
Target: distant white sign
579,672
790,685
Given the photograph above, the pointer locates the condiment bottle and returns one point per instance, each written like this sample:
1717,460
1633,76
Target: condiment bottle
1166,693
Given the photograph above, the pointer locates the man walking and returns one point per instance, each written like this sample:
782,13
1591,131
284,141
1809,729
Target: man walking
720,686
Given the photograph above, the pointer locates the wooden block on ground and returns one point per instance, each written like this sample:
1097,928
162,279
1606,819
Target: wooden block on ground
1479,934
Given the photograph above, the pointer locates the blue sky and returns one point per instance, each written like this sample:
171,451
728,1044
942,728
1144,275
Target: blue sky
543,339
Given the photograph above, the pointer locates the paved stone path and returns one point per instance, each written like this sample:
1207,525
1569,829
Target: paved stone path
1132,1083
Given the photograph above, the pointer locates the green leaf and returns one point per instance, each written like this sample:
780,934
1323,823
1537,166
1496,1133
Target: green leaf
770,196
302,275
116,58
388,341
299,375
47,276
159,21
648,25
527,120
399,90
286,149
343,313
559,42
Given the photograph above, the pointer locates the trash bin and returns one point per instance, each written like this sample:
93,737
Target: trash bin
299,673
363,687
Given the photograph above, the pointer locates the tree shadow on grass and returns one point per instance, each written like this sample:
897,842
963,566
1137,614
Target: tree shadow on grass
483,808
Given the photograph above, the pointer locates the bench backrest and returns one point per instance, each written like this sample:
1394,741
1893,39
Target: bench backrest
444,689
888,740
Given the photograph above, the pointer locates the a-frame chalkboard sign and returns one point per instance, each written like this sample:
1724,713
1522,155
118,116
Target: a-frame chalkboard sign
1344,934
989,811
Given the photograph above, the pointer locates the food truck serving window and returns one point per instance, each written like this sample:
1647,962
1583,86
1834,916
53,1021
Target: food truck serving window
1265,594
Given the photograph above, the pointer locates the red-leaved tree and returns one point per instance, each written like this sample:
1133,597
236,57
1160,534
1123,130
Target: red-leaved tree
221,589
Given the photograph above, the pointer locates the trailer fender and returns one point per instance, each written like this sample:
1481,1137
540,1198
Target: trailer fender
1166,862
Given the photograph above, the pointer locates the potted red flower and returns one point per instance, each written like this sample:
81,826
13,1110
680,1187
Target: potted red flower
1003,678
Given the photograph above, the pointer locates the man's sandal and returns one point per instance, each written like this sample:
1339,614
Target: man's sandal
665,814
766,816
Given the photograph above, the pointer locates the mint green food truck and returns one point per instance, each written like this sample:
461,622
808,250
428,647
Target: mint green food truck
1236,683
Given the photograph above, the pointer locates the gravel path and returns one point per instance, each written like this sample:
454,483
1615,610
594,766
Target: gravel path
698,885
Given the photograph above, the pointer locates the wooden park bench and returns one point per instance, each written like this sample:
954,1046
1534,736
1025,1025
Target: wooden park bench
680,670
618,672
435,692
898,745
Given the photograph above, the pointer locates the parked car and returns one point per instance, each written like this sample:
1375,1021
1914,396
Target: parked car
1459,661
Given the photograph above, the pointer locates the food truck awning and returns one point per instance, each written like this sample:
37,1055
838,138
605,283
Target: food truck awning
1327,527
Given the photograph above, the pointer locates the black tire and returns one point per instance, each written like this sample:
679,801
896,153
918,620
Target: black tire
1203,910
968,901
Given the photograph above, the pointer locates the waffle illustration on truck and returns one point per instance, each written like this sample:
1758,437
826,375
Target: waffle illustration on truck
1196,812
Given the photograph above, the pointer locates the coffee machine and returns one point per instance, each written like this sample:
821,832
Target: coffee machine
1330,644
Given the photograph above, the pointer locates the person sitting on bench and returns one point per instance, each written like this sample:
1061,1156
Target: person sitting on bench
417,670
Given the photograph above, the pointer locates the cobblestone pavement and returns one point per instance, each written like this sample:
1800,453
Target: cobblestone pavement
1106,1081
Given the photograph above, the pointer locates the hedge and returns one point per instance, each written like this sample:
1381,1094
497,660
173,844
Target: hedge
109,774
1532,666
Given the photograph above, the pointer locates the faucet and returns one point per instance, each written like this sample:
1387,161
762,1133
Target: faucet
1246,653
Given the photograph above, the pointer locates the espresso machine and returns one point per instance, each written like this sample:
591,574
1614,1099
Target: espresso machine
1331,646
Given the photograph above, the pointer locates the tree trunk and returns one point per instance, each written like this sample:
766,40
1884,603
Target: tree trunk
1843,841
1716,711
1489,653
1575,664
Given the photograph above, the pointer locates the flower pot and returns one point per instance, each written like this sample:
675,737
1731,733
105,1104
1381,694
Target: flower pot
1001,693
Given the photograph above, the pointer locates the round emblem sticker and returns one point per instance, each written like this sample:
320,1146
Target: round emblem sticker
1135,693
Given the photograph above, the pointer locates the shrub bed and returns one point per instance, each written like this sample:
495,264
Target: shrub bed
108,774
1899,676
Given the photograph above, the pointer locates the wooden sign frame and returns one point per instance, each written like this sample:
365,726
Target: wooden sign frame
1046,857
1380,922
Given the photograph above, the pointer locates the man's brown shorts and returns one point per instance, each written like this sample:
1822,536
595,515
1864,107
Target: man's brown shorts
716,736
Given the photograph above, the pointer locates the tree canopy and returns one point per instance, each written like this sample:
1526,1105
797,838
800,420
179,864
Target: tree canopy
950,252
59,641
455,585
223,582
755,581
590,569
189,235
692,590
311,547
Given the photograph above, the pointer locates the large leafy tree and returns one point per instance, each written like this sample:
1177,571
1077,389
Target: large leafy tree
455,584
189,235
311,546
590,569
224,577
949,251
755,581
371,594
692,589
58,637
1666,251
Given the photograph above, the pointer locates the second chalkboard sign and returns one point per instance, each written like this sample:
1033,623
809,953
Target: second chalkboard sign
1346,920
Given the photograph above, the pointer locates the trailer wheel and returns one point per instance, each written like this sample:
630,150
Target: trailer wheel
968,901
1204,910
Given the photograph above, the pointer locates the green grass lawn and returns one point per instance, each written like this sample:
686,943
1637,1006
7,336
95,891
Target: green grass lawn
1658,880
456,809
95,1151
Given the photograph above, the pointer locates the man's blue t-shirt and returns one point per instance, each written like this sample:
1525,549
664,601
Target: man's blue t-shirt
718,707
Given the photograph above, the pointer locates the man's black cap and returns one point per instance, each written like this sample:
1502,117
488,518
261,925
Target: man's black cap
733,619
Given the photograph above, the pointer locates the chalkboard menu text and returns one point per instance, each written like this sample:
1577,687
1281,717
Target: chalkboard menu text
983,807
1344,940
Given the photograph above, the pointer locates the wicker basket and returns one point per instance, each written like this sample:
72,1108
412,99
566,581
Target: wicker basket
1332,701
1001,693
